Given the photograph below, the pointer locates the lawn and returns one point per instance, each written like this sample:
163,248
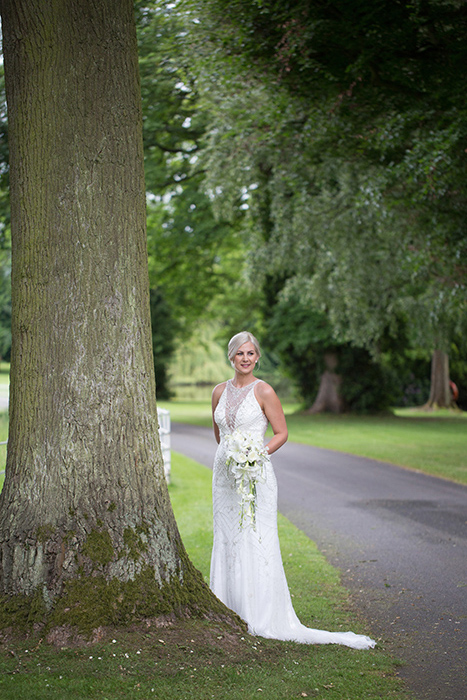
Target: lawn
433,443
201,660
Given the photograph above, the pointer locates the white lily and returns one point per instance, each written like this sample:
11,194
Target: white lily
246,459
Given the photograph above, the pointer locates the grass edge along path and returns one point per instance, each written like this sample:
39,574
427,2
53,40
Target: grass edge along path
201,660
434,444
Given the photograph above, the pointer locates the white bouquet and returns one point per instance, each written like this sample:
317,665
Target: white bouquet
246,458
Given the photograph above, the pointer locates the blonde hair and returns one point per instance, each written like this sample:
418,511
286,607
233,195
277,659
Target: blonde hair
240,339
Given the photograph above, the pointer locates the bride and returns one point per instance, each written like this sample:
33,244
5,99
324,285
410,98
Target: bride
246,566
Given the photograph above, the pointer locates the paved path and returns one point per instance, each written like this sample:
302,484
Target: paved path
400,541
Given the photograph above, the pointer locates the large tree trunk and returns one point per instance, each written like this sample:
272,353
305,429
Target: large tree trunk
85,516
440,390
329,398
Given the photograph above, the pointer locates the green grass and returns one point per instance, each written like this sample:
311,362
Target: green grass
199,412
434,443
452,414
193,412
436,446
203,660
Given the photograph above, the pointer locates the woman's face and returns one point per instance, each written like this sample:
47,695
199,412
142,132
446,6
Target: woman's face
245,358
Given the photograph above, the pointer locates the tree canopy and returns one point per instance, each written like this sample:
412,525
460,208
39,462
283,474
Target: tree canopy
344,126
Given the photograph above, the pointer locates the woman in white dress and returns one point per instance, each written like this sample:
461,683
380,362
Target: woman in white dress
246,565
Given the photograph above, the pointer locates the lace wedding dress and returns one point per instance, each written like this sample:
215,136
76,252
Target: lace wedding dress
246,565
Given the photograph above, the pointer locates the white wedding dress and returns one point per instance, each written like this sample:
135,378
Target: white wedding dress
246,566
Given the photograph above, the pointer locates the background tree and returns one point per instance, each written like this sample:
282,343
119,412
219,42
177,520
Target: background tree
357,114
330,375
194,257
86,527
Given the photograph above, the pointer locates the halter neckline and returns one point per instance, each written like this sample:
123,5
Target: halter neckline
242,388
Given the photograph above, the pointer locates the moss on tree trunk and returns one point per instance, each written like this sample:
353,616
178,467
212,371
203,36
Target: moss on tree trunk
86,526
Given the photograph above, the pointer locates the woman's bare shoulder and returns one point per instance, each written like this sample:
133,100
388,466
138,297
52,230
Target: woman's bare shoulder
264,389
217,391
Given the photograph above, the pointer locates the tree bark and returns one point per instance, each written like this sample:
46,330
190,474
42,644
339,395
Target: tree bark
329,398
84,502
440,390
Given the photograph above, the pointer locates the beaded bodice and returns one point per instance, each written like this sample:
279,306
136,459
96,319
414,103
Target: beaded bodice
238,409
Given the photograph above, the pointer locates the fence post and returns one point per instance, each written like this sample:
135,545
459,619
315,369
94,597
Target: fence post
3,443
164,431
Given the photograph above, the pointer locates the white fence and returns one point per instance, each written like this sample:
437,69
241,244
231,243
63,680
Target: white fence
164,431
3,443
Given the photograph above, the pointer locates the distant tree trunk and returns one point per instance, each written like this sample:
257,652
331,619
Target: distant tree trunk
440,390
84,504
329,397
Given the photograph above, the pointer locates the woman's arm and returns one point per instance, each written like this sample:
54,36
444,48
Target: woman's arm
272,409
216,394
